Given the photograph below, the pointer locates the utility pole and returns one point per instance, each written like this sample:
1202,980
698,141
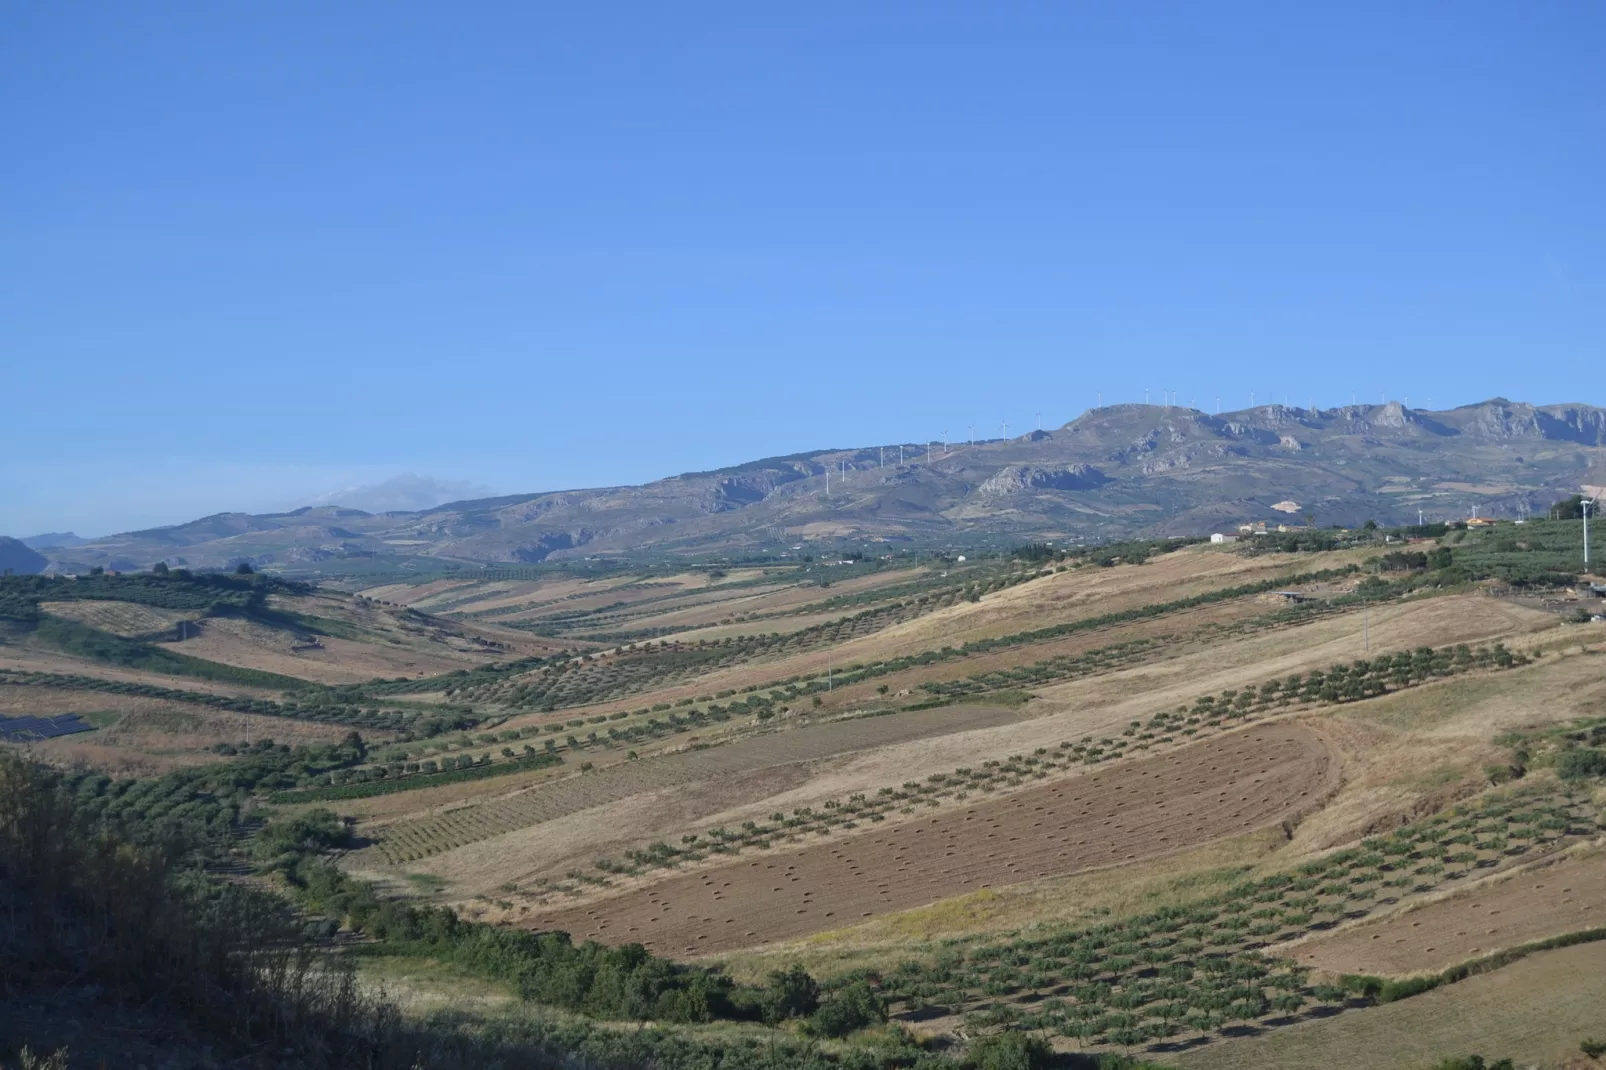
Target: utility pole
1366,631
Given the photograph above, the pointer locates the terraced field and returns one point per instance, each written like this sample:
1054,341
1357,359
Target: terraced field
1137,810
1563,896
415,838
127,619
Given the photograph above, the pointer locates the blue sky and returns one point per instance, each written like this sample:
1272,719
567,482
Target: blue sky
253,253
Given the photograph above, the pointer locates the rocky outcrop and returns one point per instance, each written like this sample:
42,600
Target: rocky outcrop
1023,478
1585,425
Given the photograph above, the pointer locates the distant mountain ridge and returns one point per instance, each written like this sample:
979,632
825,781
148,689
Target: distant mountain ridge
51,540
1115,471
17,557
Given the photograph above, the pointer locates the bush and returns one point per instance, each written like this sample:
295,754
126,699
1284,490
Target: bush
792,993
1581,762
853,1007
1008,1051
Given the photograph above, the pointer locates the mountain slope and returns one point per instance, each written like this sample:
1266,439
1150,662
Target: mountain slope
1114,471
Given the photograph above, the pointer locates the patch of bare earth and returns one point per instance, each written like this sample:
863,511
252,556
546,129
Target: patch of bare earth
1137,810
661,779
248,645
1561,897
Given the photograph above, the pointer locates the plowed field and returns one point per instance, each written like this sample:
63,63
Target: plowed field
1137,810
1560,898
432,833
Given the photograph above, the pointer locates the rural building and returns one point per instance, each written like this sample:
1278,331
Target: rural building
1219,537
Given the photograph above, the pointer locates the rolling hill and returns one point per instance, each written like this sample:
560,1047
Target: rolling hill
1115,471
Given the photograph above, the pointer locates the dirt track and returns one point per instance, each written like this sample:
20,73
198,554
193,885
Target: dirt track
1137,810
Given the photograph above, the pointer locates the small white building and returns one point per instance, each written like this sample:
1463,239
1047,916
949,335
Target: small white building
1221,537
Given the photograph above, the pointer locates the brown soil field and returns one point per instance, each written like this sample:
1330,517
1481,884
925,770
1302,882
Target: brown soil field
572,795
1085,592
775,606
1534,1011
234,641
1116,589
1561,897
1181,629
1137,810
1099,705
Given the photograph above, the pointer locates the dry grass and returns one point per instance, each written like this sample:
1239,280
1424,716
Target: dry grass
145,736
1535,1012
127,619
1559,896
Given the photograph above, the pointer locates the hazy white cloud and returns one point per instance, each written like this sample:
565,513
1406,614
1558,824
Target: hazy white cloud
127,495
404,493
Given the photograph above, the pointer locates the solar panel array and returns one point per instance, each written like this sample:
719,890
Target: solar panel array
31,729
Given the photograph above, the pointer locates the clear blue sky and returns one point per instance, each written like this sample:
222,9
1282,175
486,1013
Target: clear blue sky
252,252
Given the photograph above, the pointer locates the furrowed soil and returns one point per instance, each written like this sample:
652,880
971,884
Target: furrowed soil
549,845
1138,810
1534,1012
548,802
1564,896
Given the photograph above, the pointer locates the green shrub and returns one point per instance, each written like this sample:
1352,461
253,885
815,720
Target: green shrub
847,1009
1008,1051
1581,762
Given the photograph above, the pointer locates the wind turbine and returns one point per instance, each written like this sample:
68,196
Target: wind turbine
1005,425
1585,506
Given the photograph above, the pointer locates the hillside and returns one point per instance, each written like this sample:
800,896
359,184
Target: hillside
1117,471
1198,805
